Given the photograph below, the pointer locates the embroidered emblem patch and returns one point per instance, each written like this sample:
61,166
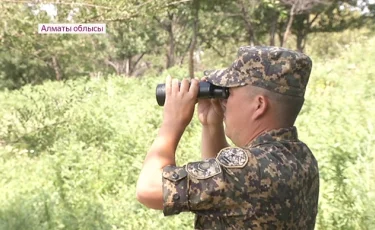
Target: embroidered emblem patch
203,169
232,157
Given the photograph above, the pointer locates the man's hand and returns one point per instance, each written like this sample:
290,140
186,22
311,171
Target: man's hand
210,112
180,102
178,112
211,115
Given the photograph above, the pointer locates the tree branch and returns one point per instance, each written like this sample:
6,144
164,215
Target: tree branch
132,69
211,46
314,19
287,30
108,62
249,26
178,2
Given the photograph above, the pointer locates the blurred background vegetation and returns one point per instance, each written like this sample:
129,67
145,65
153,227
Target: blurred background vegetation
78,112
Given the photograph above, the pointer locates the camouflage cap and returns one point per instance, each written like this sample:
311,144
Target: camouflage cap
274,68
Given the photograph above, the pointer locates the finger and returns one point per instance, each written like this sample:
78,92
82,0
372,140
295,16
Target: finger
168,86
175,86
204,78
194,87
197,79
184,86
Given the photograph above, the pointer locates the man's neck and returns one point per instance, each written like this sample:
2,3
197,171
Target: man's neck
260,129
254,133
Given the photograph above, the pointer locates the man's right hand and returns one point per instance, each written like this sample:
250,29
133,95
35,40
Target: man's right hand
211,115
210,112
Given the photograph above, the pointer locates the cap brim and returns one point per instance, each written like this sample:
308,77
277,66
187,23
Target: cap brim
224,78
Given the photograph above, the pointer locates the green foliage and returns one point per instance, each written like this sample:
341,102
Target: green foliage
27,57
71,152
331,45
337,122
160,31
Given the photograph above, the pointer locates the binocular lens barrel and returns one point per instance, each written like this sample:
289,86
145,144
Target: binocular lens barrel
206,90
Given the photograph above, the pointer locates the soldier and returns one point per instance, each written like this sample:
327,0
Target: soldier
269,179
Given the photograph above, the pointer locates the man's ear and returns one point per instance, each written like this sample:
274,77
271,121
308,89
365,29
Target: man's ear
260,106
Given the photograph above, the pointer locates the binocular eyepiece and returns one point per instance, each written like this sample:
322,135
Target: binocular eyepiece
206,90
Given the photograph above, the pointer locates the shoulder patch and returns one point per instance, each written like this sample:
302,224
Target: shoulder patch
203,169
232,157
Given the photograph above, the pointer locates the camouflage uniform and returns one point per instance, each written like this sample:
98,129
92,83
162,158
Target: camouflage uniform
272,182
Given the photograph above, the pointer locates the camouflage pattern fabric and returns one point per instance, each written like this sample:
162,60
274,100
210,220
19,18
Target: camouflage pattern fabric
272,183
274,68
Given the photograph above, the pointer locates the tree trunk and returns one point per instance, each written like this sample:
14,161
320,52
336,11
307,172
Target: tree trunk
280,35
127,66
249,26
171,43
301,33
56,68
114,65
275,18
171,49
134,64
301,41
184,54
194,38
287,30
303,25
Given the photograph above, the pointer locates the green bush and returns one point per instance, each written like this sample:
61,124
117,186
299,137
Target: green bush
71,152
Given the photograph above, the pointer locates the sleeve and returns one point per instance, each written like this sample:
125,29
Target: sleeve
211,184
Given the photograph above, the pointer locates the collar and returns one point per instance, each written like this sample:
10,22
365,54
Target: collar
275,135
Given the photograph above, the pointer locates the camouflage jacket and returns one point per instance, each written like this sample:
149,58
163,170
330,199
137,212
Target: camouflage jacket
272,183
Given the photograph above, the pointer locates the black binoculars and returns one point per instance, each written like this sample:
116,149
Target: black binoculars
206,90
